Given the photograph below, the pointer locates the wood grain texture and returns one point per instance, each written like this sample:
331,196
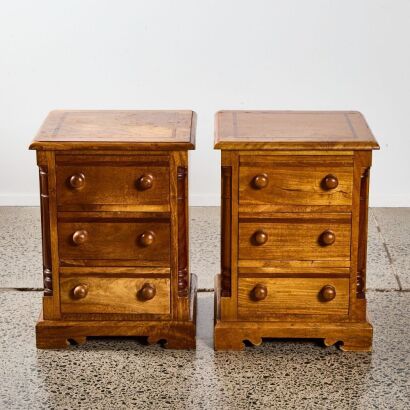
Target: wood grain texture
348,336
229,303
299,227
128,130
299,183
113,183
363,160
95,216
60,334
292,296
114,295
232,335
294,265
255,154
292,130
114,239
296,238
362,246
117,237
180,304
45,231
226,222
51,304
182,177
129,271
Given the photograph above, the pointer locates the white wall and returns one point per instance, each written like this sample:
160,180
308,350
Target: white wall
205,55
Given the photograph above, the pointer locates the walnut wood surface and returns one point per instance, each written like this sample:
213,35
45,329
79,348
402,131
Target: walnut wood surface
363,161
45,231
67,130
299,227
295,238
231,159
232,335
115,240
115,233
114,295
182,176
112,183
260,267
292,130
129,271
291,182
60,334
51,304
362,246
226,222
291,296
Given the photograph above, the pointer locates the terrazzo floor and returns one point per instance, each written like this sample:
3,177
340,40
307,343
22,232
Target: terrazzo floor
125,373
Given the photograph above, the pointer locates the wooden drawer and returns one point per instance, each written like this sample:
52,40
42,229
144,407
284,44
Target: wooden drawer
137,242
115,295
296,237
260,297
296,181
111,182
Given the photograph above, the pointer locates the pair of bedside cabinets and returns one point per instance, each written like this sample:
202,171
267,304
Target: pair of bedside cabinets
114,212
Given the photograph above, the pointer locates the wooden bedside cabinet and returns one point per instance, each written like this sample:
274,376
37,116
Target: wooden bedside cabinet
114,210
294,227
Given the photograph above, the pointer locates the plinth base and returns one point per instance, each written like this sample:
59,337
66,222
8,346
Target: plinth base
59,334
230,335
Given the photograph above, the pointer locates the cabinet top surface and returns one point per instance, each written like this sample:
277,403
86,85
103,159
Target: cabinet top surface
259,130
88,129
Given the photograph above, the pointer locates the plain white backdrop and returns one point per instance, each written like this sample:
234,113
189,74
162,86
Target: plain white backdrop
205,55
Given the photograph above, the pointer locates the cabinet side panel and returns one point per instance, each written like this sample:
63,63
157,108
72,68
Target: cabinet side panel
362,245
182,172
51,298
226,216
56,310
179,235
45,230
362,165
228,297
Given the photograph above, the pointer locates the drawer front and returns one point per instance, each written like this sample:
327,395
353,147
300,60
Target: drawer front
111,182
261,297
311,237
115,295
115,240
297,181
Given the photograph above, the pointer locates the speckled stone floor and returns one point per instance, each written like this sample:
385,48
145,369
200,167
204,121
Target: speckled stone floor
125,373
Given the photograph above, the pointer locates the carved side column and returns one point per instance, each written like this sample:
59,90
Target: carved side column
362,251
182,174
45,231
226,222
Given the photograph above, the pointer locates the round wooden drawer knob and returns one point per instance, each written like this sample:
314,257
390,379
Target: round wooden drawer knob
147,292
145,182
260,237
80,291
80,237
259,292
327,238
330,182
77,181
147,238
260,181
328,293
